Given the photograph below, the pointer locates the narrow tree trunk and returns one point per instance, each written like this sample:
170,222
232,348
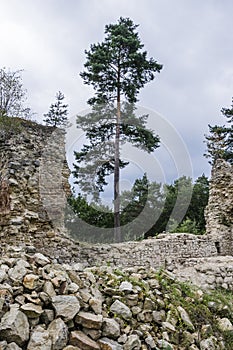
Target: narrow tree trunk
117,228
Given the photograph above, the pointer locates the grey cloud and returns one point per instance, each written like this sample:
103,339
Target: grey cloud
191,38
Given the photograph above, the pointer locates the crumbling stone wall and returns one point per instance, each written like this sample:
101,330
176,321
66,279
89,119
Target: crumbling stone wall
219,212
33,178
208,273
34,186
166,250
4,196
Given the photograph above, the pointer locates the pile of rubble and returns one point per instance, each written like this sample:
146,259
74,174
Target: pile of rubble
45,305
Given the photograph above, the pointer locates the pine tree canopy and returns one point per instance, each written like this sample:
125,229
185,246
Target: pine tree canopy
118,64
95,161
220,139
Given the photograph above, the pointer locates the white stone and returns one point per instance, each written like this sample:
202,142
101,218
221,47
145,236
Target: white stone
14,326
17,220
40,340
2,275
209,344
133,343
40,259
111,328
66,306
18,271
224,324
185,317
126,287
12,346
168,326
58,332
121,309
73,288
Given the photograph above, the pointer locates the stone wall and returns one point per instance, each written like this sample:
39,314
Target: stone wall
33,181
34,185
219,212
158,252
208,273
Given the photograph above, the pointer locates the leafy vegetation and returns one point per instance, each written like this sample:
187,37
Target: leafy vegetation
203,307
147,206
12,94
193,313
9,125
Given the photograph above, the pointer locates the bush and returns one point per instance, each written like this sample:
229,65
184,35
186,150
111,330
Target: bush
9,126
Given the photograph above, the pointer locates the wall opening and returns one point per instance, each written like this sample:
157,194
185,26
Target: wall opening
217,246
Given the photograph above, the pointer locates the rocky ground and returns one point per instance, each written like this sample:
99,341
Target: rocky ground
45,305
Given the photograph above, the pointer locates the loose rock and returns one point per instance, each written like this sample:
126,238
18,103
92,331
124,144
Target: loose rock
66,306
14,326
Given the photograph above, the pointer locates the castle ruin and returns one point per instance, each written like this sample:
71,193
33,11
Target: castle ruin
33,191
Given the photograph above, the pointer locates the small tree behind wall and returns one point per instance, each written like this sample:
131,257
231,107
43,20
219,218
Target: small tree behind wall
57,114
219,141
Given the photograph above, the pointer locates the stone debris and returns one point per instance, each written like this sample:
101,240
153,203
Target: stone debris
66,306
89,320
185,317
14,326
39,339
111,328
121,309
83,341
57,307
58,332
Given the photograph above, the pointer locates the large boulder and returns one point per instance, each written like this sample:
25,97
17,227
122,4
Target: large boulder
14,326
81,340
66,306
40,339
89,320
121,309
58,332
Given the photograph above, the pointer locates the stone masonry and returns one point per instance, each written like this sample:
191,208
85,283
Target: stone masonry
34,186
33,182
219,212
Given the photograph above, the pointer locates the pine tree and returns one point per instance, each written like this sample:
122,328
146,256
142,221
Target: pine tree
228,113
220,139
216,143
57,114
117,69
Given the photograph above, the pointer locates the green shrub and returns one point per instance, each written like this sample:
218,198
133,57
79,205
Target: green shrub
9,126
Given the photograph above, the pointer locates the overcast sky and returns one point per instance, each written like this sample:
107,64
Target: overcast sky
191,38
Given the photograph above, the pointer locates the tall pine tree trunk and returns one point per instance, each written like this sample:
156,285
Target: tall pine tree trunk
117,227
